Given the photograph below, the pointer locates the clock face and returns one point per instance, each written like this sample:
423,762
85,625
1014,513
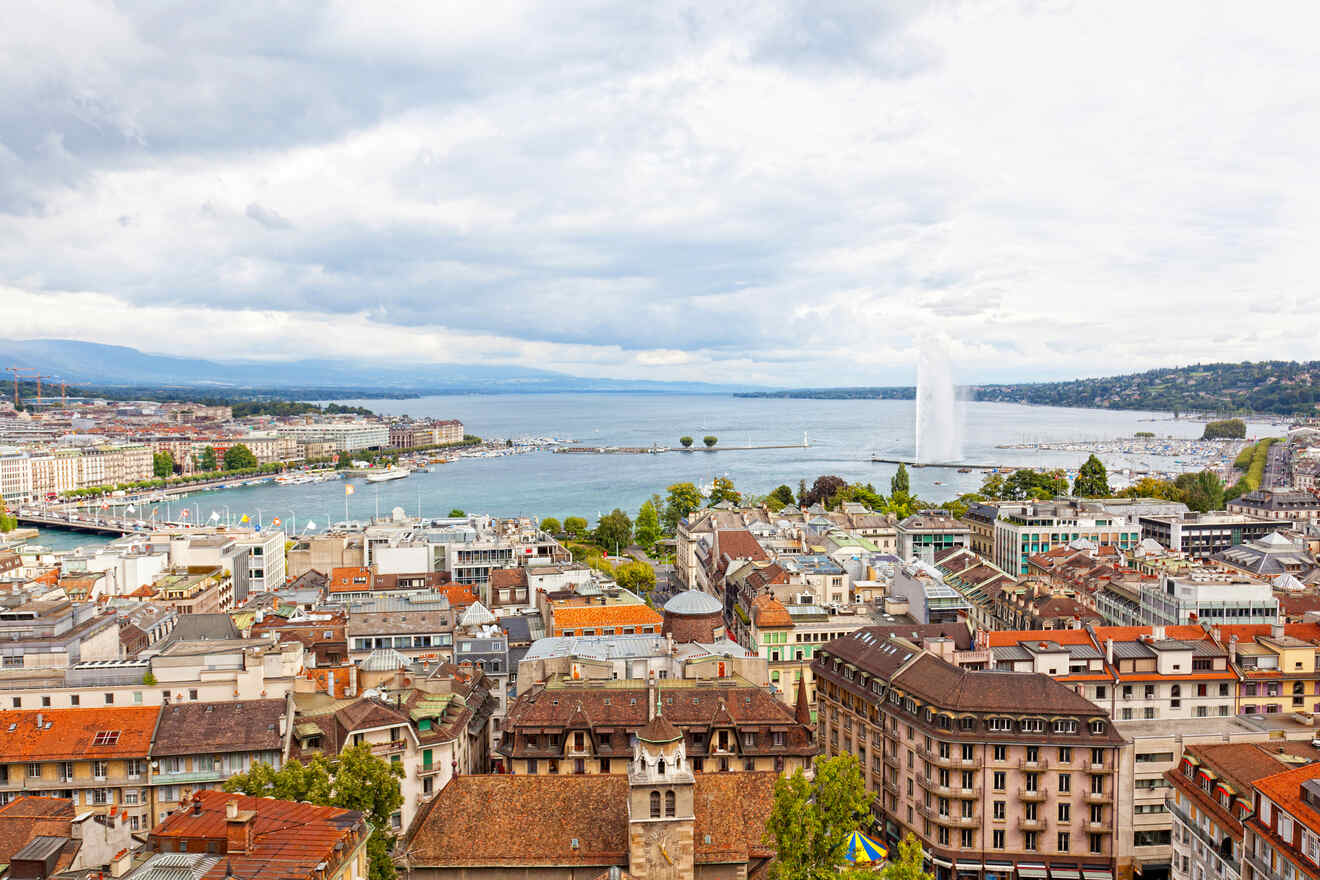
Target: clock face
662,851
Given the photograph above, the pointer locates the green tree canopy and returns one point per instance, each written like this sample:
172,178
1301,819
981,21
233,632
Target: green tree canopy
686,441
861,493
614,530
162,464
783,495
647,528
636,576
908,863
1092,480
1225,429
900,482
710,440
355,780
575,526
551,525
822,490
722,490
238,457
1202,491
683,499
456,513
206,461
811,820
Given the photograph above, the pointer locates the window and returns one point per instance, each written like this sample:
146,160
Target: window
1065,755
968,752
1065,783
73,700
34,771
655,805
997,839
106,737
999,808
100,769
109,699
1001,753
670,804
998,780
966,838
1029,841
1065,813
1097,843
1063,841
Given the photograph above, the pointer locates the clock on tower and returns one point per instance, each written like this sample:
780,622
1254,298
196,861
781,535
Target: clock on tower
660,802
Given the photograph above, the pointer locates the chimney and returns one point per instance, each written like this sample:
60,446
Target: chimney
1232,650
1276,632
1157,632
39,720
238,828
1109,651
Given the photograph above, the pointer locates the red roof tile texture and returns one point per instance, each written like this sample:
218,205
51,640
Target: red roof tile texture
77,734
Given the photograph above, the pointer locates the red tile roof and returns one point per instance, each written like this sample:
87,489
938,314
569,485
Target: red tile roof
77,734
577,618
289,839
739,544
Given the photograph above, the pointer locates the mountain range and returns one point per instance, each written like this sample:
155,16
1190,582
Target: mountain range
115,366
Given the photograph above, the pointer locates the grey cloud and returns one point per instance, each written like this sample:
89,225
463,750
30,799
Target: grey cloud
267,217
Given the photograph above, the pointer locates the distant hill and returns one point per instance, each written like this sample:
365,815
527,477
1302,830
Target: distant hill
94,365
1276,387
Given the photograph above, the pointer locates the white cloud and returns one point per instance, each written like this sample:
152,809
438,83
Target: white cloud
789,193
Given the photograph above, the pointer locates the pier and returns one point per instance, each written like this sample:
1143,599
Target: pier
954,465
656,450
113,526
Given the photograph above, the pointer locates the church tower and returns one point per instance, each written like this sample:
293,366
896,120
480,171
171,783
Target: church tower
661,798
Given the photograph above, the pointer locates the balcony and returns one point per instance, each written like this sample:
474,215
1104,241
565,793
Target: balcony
394,747
1032,795
1097,797
192,776
1039,764
948,819
1099,768
891,786
949,791
1100,827
1040,823
891,758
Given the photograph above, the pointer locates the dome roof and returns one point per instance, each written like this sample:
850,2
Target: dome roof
694,602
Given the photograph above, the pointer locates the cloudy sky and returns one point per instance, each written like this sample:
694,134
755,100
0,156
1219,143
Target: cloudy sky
776,192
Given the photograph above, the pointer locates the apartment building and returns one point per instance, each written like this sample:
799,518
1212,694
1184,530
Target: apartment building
929,599
95,757
1202,535
197,746
1282,837
1297,506
638,657
197,589
923,534
568,726
346,436
56,633
995,772
412,434
1025,530
417,627
1211,794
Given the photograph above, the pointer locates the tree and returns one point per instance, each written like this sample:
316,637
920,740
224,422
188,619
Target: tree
710,440
686,441
636,576
721,490
811,820
1092,480
148,679
575,526
551,525
647,527
162,464
206,461
900,482
1202,491
683,499
238,457
784,496
356,780
860,493
614,530
908,863
1225,429
457,513
823,489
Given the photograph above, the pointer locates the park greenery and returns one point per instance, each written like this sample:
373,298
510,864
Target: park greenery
1092,480
239,457
355,780
686,442
813,817
162,464
1225,429
8,522
710,440
1252,459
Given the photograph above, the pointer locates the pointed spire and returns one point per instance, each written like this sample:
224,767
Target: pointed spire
659,702
802,711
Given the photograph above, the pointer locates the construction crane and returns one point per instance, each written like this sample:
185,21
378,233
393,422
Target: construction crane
17,371
64,397
39,377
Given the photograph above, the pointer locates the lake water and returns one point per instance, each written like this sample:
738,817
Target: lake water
842,436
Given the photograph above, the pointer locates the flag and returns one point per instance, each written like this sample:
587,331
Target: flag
310,525
215,515
131,508
348,490
185,513
275,521
244,519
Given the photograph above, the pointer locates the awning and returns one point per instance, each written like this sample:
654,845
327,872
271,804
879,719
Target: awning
939,861
1032,872
1064,872
1097,874
968,866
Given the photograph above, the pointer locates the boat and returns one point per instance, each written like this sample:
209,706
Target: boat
386,476
964,470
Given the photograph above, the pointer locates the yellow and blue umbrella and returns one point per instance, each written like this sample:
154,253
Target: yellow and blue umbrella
861,849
